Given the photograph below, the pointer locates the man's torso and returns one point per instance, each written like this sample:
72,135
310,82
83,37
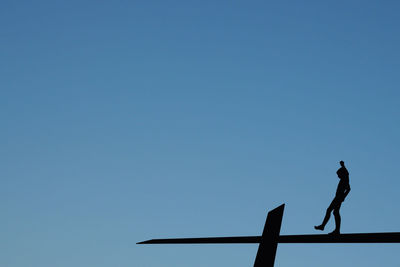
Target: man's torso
343,183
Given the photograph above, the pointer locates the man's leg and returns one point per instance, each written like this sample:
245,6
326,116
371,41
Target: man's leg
336,213
327,216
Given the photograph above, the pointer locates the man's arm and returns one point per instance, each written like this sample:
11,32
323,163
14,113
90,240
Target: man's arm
346,191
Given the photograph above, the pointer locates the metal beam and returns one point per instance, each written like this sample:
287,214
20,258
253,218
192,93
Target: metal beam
390,237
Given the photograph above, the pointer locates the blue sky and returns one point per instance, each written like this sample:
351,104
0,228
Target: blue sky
129,120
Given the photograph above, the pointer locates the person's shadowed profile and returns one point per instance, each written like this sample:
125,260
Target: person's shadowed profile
342,191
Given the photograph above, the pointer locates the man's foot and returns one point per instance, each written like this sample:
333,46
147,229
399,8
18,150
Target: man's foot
319,227
335,232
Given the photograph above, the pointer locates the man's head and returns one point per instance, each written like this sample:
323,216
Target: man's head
341,163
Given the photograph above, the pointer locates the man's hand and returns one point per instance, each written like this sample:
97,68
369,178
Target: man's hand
346,193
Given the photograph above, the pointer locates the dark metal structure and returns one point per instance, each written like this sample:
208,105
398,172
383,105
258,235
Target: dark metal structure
271,237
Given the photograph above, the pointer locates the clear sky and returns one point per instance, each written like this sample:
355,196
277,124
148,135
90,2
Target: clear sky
123,121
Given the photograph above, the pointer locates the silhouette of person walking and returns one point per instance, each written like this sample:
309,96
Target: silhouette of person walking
342,191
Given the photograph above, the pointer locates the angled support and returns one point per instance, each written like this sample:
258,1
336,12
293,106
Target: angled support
269,239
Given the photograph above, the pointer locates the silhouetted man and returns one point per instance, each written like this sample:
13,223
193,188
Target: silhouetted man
342,191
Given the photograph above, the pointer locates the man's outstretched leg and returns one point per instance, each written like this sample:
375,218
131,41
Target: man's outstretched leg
326,219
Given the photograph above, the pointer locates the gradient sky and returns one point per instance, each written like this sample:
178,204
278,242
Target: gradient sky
123,121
